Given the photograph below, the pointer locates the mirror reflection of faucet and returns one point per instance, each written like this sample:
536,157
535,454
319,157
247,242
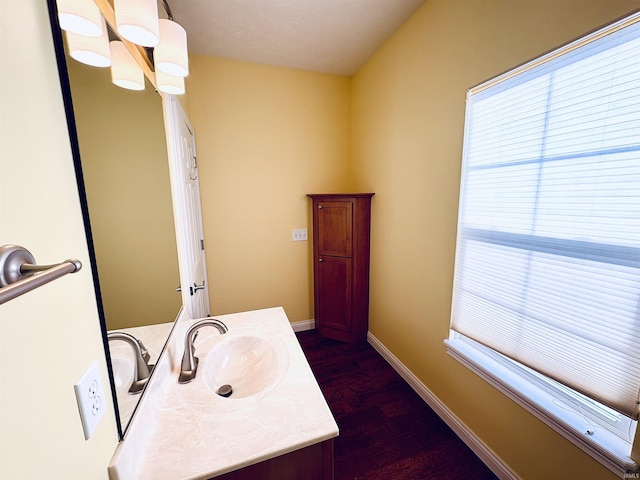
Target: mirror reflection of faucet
141,369
189,365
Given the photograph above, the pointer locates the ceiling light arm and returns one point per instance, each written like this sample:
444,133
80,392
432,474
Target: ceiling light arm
167,9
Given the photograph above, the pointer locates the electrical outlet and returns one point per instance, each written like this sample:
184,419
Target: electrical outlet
91,399
299,234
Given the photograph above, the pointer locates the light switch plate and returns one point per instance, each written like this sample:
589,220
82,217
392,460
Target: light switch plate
299,234
91,399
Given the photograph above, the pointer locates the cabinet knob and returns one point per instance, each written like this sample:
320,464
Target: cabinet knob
320,260
319,206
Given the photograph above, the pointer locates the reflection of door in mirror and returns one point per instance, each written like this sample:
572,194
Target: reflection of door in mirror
123,152
189,216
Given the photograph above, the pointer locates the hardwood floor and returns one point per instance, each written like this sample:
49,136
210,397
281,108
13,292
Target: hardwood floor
387,432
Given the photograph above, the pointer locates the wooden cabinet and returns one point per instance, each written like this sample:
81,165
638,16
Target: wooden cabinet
341,225
311,463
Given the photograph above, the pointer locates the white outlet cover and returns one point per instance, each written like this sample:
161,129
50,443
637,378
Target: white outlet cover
299,234
91,399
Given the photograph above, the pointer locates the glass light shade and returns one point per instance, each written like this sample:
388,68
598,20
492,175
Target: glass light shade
169,83
137,21
94,51
81,17
125,72
171,56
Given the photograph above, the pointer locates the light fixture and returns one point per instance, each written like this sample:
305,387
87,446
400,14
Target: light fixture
81,17
137,21
171,84
94,51
170,56
125,71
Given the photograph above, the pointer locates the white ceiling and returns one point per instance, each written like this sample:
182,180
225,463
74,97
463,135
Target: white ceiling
331,36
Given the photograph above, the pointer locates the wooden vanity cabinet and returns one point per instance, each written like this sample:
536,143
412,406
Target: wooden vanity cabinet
314,462
341,228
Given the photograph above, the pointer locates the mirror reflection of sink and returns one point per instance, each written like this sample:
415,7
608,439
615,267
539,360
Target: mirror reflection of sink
248,363
122,370
122,365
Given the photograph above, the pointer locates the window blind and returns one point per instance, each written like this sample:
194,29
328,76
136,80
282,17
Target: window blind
548,249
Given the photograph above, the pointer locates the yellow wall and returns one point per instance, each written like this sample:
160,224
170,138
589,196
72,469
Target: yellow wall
265,137
48,337
126,172
408,106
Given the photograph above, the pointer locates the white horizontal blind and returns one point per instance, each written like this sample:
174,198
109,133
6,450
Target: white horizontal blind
548,251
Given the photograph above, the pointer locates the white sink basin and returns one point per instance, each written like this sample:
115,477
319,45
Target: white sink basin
248,363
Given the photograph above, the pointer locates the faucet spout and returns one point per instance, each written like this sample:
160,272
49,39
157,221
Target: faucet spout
141,370
189,365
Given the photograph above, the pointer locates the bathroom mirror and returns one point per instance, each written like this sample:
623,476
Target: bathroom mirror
124,176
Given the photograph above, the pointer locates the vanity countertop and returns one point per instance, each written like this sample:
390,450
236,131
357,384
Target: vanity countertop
198,434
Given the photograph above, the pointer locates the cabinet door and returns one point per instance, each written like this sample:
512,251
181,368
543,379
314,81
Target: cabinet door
334,293
335,228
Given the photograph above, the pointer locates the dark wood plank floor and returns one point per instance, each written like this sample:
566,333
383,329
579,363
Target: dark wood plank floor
387,432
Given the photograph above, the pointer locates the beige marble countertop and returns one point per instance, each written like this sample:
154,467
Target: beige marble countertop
198,434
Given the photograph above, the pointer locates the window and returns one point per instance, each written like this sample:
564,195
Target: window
547,276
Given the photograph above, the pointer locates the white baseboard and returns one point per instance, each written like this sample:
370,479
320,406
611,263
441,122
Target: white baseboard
303,325
488,457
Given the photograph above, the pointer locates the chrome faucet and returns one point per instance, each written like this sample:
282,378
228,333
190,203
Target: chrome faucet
189,365
141,370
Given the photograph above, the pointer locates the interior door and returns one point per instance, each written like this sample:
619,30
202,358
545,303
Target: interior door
183,166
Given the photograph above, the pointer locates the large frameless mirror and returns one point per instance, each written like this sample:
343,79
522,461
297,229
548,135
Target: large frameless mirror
124,178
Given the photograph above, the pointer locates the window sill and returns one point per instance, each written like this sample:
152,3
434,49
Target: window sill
602,445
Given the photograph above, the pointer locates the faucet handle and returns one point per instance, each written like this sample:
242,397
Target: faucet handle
144,351
193,342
